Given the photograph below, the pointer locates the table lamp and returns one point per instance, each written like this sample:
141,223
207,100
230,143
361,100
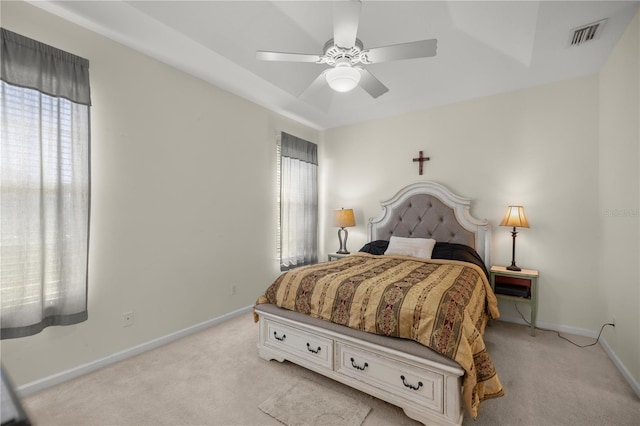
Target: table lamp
343,218
514,217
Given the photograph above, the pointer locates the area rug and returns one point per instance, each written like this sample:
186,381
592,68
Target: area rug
306,403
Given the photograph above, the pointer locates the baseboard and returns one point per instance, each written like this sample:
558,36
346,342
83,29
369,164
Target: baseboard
616,361
47,382
38,385
554,327
587,333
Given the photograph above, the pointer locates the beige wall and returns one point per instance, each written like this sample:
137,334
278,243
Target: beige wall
619,197
536,147
182,201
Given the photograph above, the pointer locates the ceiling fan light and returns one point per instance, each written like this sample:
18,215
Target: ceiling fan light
343,78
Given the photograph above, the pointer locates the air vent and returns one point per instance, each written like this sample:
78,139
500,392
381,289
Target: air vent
586,33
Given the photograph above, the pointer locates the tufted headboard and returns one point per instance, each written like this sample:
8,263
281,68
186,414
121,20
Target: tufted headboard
430,210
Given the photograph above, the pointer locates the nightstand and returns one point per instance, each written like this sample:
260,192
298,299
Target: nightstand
518,287
335,256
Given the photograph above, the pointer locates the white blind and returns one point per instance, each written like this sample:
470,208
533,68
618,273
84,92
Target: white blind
298,227
44,204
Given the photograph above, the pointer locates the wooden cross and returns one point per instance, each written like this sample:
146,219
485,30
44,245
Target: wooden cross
421,159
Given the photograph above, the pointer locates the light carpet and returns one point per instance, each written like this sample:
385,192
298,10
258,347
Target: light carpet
306,403
215,377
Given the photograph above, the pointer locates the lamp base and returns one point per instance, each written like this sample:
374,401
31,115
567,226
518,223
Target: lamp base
343,242
513,266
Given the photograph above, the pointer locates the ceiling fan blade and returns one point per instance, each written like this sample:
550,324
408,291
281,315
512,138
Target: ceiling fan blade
316,84
346,16
416,49
287,57
370,84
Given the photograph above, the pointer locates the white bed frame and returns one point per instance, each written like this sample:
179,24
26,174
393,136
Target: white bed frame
428,390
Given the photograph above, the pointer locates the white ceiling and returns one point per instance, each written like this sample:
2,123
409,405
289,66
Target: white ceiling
484,48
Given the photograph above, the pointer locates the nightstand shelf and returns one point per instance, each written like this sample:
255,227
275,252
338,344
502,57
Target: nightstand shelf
518,287
336,256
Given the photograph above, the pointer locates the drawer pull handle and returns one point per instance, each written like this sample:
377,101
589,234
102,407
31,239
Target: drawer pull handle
315,351
280,339
409,385
358,367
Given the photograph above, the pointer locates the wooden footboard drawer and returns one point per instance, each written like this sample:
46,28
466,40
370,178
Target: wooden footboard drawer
299,343
407,381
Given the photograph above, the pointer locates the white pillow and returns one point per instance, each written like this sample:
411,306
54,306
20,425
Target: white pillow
416,247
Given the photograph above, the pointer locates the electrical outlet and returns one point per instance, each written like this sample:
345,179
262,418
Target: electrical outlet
127,319
234,290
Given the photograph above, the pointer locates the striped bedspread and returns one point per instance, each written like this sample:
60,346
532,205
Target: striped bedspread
443,304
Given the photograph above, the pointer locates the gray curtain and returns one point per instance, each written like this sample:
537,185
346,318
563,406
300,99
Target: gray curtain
45,186
298,202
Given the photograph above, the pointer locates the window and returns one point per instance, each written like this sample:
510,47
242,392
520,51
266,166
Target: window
44,153
298,202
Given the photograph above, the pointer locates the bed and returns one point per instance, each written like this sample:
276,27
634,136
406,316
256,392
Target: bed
398,326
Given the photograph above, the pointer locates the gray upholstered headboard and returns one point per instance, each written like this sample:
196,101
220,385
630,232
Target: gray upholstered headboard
430,210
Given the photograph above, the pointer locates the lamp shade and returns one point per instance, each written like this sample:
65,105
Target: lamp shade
342,78
344,218
515,217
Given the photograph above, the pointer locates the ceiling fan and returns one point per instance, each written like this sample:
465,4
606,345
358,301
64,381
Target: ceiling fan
344,54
